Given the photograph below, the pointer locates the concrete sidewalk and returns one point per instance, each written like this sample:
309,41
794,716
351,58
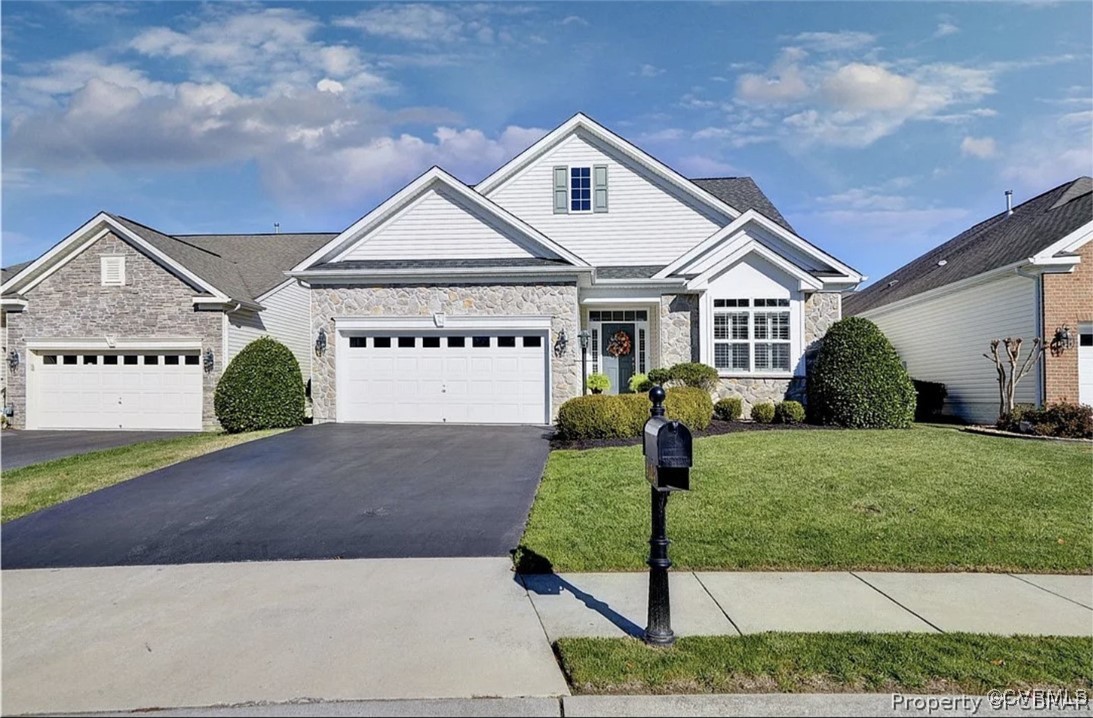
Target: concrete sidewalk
707,603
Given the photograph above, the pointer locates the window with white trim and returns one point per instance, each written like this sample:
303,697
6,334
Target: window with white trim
580,189
751,335
112,271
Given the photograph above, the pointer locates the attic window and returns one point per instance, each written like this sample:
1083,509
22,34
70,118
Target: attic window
113,271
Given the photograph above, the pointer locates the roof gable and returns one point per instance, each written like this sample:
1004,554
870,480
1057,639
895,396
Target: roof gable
436,189
1001,241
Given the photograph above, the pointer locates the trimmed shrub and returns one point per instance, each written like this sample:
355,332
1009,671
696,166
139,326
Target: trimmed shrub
620,416
598,382
690,405
693,374
261,389
640,383
789,412
929,399
1064,420
857,380
729,409
763,413
660,377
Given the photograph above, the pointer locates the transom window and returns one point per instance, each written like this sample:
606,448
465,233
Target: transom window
751,335
580,189
638,315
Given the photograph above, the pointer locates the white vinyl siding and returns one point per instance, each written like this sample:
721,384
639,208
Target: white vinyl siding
649,222
943,339
286,318
438,225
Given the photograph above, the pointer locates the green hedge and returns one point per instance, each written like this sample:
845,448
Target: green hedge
691,374
858,381
619,416
789,412
1066,420
763,413
261,389
729,409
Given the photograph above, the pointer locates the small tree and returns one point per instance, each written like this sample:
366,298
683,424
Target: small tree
261,389
1012,370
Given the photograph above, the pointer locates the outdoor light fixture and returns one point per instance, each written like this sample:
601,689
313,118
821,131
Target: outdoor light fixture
13,360
584,335
1062,340
208,360
561,344
320,342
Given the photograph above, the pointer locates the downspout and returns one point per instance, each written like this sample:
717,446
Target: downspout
1041,384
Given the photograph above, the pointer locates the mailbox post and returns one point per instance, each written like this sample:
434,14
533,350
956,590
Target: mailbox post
668,460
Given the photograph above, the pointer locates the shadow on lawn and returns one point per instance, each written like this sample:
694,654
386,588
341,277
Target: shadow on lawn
536,574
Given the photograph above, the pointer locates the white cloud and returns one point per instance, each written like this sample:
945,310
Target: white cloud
946,28
648,70
1046,154
575,20
843,41
857,87
704,166
981,147
783,83
426,23
328,85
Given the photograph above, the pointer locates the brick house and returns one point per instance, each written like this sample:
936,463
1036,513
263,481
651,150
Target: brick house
1025,272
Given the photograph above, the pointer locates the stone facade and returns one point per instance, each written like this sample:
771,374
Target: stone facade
72,303
558,300
679,329
1068,301
822,309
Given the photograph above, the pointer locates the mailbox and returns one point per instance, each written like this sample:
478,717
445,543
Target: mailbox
667,448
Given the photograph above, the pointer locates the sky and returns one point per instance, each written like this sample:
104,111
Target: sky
878,129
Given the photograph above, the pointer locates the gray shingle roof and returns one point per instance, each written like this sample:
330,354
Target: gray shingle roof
8,272
629,272
443,263
996,242
742,193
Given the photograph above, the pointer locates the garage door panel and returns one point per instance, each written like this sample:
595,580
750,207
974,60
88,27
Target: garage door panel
109,391
459,377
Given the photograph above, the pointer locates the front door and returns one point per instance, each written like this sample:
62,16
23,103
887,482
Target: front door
617,347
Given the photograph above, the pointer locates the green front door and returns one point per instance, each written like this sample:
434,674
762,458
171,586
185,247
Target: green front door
619,368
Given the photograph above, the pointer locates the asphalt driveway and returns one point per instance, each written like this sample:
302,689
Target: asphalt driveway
318,492
23,448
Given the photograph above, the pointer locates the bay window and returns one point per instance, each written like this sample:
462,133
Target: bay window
751,335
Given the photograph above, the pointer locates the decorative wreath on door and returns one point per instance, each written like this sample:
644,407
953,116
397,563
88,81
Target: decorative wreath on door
620,345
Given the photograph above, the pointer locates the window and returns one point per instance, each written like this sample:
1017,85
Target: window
533,341
113,271
192,359
751,335
69,358
151,359
404,342
381,342
111,359
49,359
132,359
457,341
480,342
172,360
358,342
506,341
430,342
580,189
90,359
639,315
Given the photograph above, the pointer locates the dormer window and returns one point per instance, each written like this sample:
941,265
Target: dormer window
580,189
112,271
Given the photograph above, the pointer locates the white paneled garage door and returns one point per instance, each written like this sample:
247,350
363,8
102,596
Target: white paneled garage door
465,377
1085,364
115,390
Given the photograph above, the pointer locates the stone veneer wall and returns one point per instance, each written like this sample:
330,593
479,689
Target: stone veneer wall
72,303
679,328
558,300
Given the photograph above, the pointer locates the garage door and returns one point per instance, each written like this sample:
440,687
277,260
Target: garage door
1085,364
434,377
115,390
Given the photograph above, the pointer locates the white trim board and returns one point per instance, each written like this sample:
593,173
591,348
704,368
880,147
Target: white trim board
113,344
443,322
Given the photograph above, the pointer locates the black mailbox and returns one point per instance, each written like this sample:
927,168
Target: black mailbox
667,448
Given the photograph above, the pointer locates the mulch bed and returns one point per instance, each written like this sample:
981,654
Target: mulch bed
991,431
716,428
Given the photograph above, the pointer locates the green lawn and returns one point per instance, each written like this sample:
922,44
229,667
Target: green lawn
832,662
928,498
35,487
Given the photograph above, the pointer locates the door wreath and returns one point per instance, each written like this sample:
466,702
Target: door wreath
619,345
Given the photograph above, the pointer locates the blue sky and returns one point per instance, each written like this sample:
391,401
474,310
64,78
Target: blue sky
878,129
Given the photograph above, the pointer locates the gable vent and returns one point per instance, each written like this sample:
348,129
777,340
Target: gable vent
113,271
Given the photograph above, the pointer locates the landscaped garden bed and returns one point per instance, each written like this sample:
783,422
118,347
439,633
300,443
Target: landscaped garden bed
829,663
717,427
921,499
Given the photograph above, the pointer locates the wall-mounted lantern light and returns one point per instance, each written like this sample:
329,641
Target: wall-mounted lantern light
13,360
1062,340
320,343
209,359
561,344
584,336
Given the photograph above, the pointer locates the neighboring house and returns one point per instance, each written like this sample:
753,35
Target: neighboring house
450,303
1024,274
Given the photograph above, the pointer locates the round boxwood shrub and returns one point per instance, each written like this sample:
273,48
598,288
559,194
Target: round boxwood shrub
660,377
620,416
693,374
789,412
763,413
728,409
261,389
857,379
692,406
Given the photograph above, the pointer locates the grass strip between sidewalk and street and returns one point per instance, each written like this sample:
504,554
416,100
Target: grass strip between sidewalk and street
921,499
828,663
38,486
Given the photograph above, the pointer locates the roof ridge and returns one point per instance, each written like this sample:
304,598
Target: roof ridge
171,236
727,177
245,234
